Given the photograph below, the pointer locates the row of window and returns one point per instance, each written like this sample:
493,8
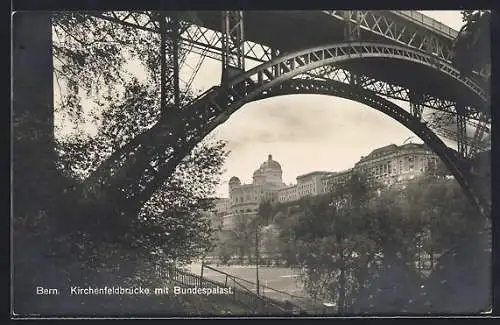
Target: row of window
246,198
306,192
408,164
288,198
335,180
245,210
392,154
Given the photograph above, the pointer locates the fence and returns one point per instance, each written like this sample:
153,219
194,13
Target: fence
273,296
236,260
240,292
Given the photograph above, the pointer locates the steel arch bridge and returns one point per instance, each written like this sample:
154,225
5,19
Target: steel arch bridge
235,37
140,165
182,129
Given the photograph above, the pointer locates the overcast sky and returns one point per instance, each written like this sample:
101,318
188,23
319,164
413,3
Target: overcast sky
304,133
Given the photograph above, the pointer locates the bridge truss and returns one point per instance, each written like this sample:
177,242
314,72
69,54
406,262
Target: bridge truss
468,126
139,167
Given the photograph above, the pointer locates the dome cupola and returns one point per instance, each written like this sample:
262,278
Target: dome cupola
270,164
234,181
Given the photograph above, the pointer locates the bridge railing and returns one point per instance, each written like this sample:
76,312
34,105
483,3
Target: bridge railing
429,22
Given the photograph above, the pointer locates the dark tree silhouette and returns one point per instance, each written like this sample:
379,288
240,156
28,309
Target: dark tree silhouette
473,44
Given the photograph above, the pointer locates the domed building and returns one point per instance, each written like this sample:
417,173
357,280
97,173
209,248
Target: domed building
269,173
267,180
234,181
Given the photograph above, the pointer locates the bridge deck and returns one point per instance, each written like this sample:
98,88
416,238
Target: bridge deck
291,30
314,27
427,22
294,30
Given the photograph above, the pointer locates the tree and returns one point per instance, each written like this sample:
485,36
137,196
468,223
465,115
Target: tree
393,228
91,55
264,213
182,195
473,42
224,252
285,218
90,58
432,216
460,260
241,237
331,252
359,245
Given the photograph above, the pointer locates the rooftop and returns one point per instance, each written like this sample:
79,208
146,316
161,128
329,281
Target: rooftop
392,148
314,173
383,150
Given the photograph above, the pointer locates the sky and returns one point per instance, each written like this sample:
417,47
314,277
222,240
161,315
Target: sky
303,133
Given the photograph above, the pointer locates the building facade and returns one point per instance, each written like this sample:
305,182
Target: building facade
222,206
388,165
309,184
397,164
244,199
335,179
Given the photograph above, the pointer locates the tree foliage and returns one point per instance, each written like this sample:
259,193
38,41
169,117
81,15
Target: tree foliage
472,46
370,249
106,77
240,239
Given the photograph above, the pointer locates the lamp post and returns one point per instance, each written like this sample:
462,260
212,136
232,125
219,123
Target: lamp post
257,257
338,206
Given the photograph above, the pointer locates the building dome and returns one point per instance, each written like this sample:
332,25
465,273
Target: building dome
234,181
269,172
258,172
270,164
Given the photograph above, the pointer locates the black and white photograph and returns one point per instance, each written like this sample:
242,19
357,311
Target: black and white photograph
252,163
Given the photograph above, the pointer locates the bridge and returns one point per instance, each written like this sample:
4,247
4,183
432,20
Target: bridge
371,57
400,55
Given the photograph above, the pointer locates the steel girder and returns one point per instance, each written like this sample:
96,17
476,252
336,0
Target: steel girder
477,142
199,38
388,89
417,35
446,111
293,64
233,37
383,88
416,108
461,131
401,93
169,46
191,34
352,30
378,22
383,24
